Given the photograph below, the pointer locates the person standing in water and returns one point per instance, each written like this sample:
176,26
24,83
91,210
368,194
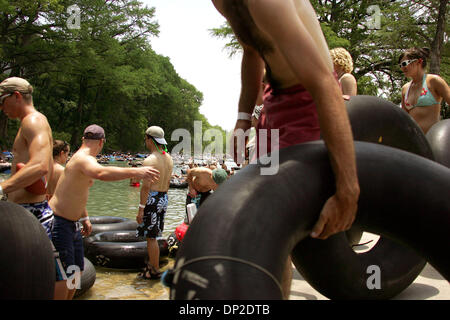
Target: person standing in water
302,99
32,165
71,195
422,96
154,199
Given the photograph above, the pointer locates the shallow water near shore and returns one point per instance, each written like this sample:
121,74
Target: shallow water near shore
120,199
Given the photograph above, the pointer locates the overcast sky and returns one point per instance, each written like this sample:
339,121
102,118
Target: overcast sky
198,57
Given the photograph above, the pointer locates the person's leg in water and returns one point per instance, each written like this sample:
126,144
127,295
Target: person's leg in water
151,228
153,256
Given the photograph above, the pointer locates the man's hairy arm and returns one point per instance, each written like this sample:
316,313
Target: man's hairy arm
280,21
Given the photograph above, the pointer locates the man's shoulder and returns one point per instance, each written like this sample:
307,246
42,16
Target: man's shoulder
150,160
80,159
35,121
35,116
348,76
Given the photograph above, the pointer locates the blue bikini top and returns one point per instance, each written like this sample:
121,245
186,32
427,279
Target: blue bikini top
425,98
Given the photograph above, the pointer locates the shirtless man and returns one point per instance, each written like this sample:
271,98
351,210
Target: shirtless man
303,94
33,147
154,199
71,195
201,181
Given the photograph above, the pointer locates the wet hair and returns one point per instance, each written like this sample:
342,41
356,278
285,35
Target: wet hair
416,53
342,58
58,146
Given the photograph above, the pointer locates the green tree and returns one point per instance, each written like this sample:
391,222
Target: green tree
101,70
375,47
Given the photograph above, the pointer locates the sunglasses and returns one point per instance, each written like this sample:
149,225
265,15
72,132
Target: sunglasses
406,63
2,98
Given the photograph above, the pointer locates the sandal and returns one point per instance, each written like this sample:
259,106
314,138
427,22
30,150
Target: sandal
150,274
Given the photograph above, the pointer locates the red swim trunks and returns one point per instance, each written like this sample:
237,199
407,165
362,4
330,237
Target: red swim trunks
293,112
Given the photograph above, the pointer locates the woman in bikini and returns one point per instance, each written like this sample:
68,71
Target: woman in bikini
422,96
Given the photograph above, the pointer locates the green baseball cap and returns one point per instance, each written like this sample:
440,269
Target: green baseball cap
219,175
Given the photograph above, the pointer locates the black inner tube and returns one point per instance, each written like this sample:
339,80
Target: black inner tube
27,264
120,249
439,138
420,222
124,236
378,121
107,219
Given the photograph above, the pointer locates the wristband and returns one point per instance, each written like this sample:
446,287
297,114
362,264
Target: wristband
83,219
244,116
141,206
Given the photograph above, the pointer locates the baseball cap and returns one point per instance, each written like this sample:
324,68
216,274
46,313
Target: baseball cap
15,84
94,132
219,175
156,133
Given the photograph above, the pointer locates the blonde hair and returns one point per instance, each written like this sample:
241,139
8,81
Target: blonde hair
342,58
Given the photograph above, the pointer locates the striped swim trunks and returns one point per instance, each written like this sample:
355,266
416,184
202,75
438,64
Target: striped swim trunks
43,212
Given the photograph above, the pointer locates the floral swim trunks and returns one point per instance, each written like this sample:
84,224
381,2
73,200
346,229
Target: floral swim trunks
43,213
154,214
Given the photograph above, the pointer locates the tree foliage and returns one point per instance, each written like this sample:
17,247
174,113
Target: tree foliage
375,47
102,70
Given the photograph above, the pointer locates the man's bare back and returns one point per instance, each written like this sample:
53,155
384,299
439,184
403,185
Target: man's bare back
164,164
200,179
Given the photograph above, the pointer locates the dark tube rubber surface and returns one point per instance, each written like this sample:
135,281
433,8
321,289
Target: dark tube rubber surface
27,264
439,138
232,249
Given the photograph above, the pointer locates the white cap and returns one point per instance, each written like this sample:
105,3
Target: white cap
156,133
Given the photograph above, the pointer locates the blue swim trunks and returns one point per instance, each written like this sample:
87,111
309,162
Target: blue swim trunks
66,237
43,212
154,214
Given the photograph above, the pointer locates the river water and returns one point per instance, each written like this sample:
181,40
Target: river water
118,198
